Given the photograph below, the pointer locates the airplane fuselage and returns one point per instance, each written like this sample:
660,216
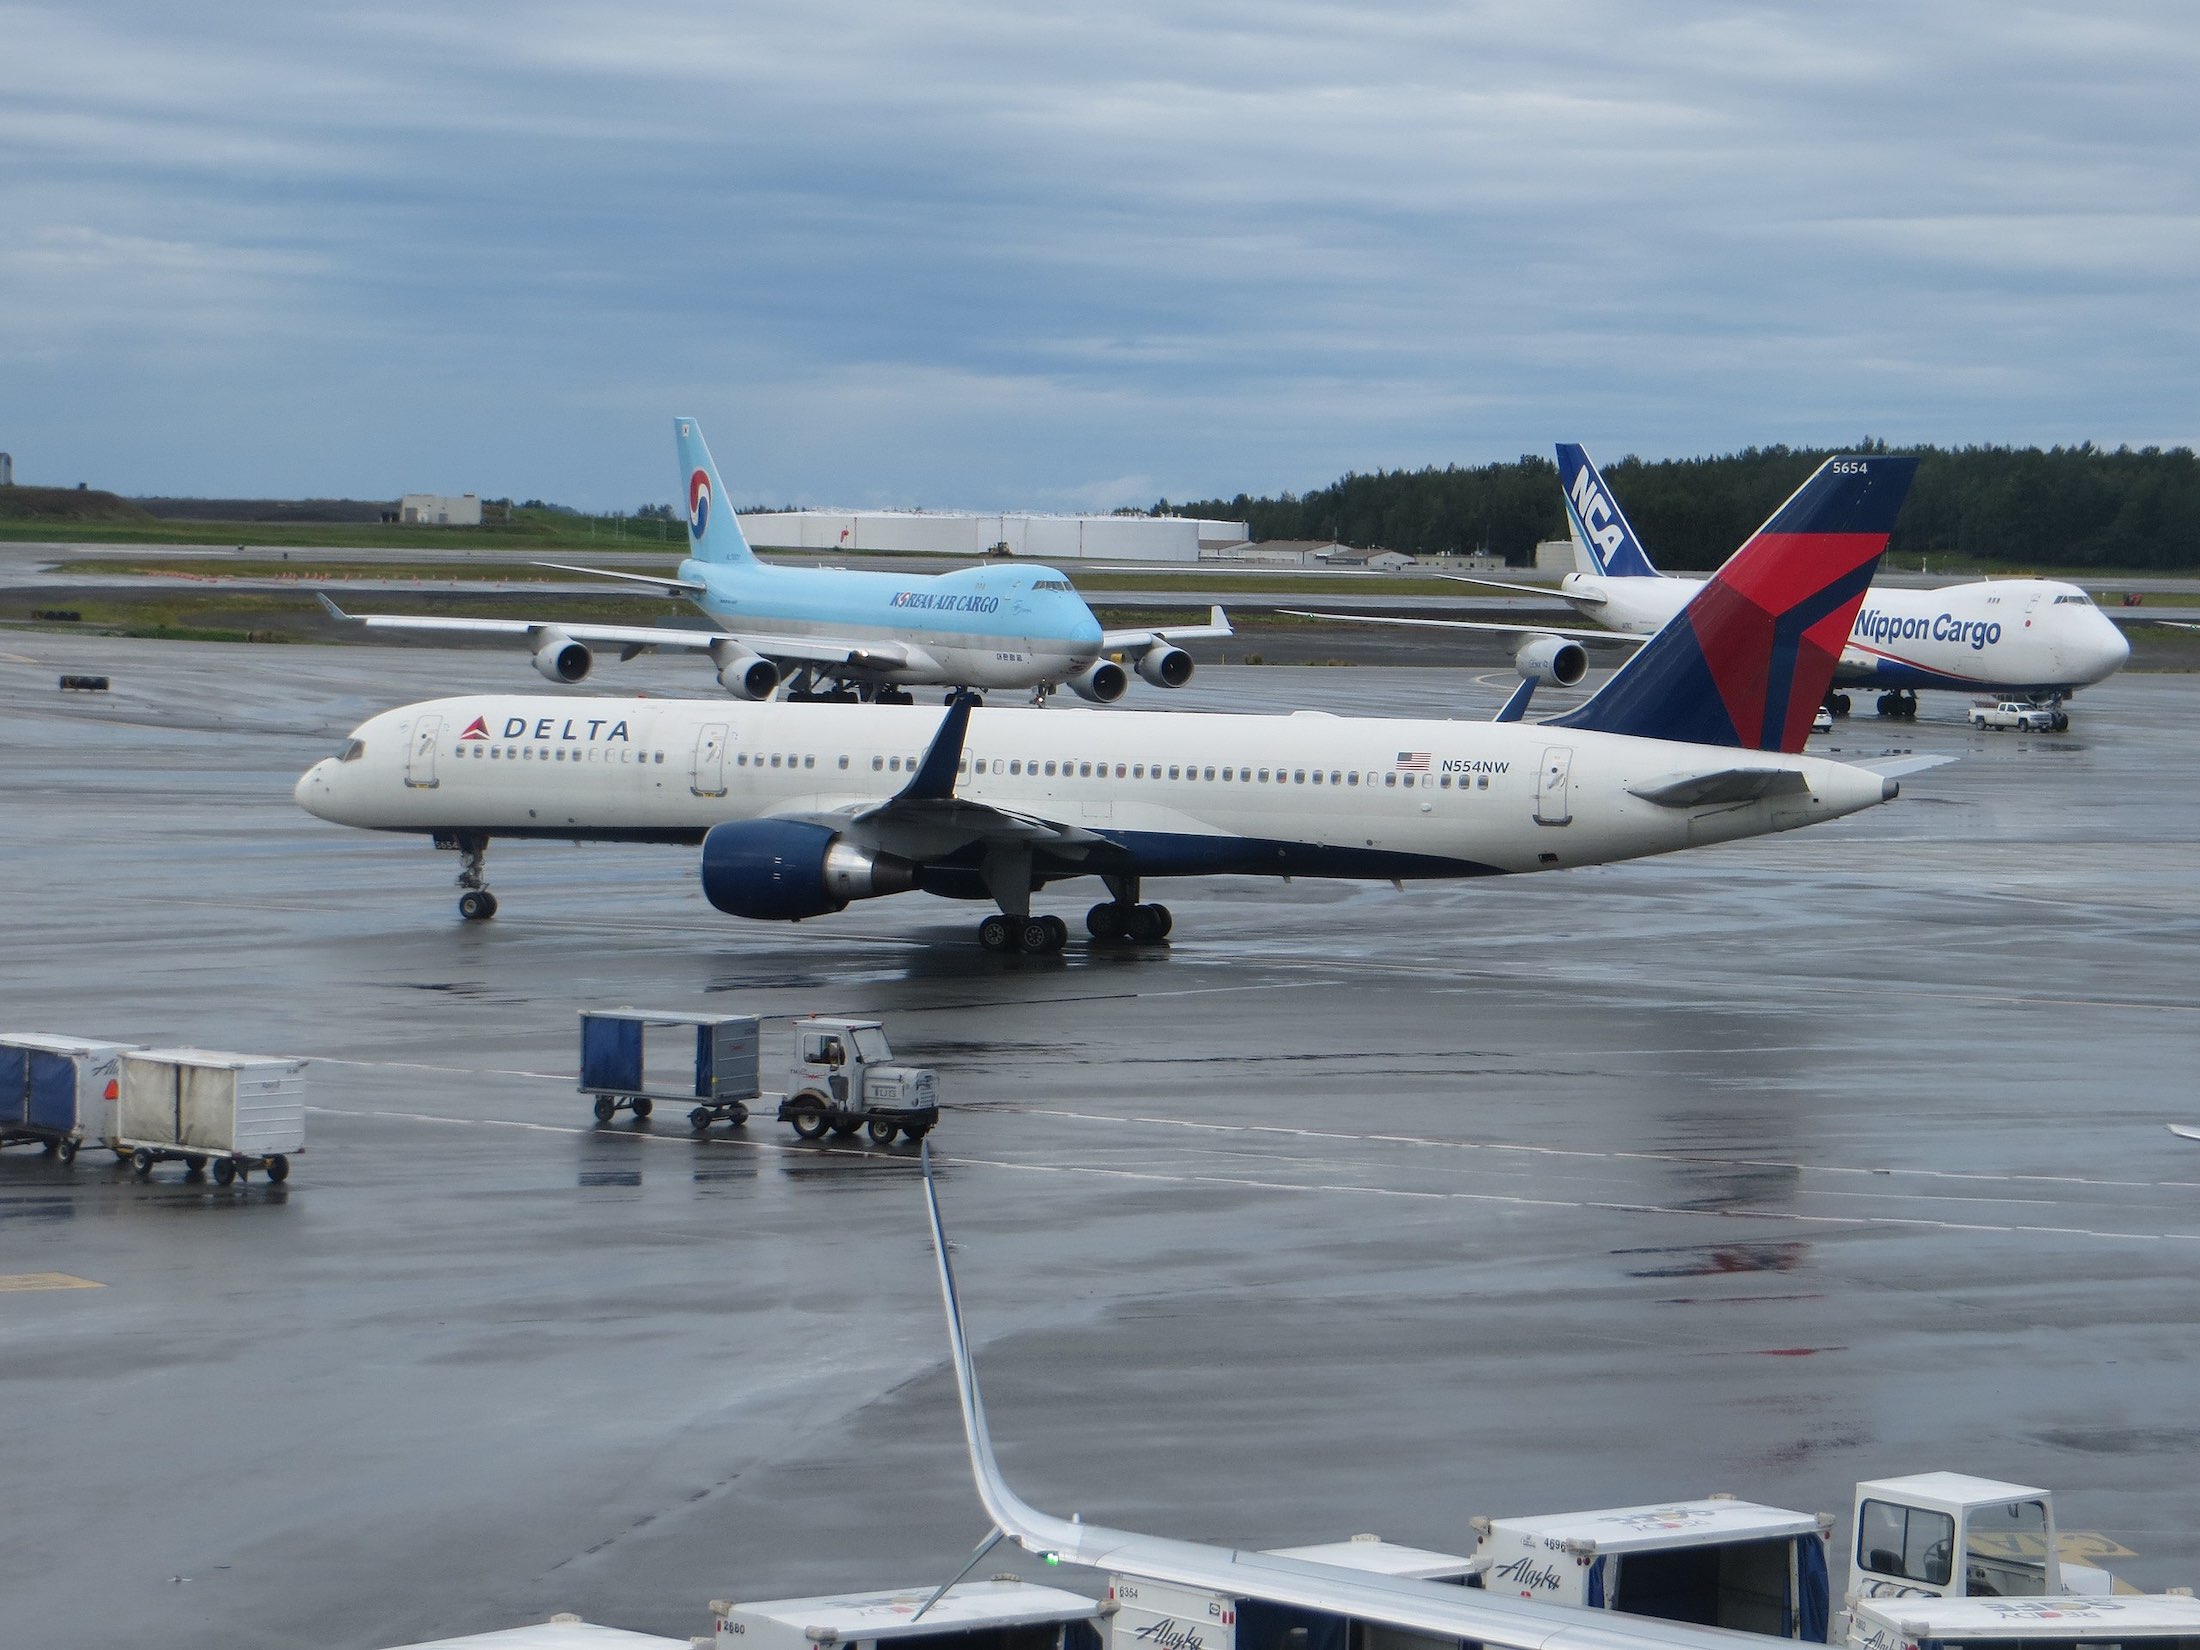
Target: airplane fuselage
1186,794
1991,636
984,627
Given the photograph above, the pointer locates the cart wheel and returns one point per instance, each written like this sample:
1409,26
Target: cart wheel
225,1172
68,1150
194,1164
883,1131
740,1114
141,1162
810,1117
606,1108
122,1153
843,1127
49,1147
699,1119
278,1169
641,1108
915,1132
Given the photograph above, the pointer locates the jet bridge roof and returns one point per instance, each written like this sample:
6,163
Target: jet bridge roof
1712,1522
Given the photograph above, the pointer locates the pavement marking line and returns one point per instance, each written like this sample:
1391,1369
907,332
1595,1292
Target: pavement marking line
1515,1200
1687,1158
23,1282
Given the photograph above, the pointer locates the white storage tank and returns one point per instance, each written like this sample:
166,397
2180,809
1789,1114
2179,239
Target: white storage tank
238,1111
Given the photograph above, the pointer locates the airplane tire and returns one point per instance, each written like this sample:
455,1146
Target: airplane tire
1057,932
1105,921
998,932
1038,936
1840,704
477,905
1149,924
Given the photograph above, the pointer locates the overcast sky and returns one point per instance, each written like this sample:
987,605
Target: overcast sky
1016,255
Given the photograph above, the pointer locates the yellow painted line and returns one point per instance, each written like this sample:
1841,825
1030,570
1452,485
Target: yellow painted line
44,1280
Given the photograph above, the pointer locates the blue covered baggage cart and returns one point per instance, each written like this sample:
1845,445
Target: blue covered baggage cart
59,1092
633,1057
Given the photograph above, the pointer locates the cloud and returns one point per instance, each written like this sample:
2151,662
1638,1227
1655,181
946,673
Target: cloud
982,254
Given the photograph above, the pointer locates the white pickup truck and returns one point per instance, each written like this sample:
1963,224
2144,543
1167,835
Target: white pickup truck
2013,713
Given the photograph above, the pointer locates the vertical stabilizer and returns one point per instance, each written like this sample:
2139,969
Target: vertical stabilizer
714,531
1604,539
1747,662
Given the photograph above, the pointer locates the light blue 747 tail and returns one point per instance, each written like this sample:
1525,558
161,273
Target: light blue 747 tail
1599,525
714,531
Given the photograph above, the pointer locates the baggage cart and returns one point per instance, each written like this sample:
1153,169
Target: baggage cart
59,1092
707,1062
201,1107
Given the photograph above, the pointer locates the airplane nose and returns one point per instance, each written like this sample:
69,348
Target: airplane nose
312,788
2115,648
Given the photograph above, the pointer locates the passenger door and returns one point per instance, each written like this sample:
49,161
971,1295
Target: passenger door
1553,805
708,777
420,757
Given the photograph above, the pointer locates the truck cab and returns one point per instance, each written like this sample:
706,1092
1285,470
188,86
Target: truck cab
844,1077
1949,1535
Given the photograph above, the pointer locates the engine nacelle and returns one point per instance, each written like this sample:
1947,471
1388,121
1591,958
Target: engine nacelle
1551,659
1165,666
1102,682
782,870
562,659
743,672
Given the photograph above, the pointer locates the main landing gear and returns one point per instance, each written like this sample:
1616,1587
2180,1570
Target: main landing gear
1115,923
1901,703
1837,704
475,902
1004,932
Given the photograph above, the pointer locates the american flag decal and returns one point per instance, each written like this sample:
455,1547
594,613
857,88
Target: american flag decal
1413,761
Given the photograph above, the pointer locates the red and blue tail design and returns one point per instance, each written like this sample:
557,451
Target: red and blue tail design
1748,661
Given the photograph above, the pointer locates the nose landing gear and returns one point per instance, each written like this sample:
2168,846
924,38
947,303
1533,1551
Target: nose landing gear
475,902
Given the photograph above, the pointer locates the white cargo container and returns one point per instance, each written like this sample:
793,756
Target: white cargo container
197,1106
1150,1616
1001,1614
2127,1621
1718,1562
61,1092
558,1633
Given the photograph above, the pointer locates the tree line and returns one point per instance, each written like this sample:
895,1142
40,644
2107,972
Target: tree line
2080,507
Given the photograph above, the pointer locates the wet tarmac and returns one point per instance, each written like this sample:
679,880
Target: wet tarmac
1762,1168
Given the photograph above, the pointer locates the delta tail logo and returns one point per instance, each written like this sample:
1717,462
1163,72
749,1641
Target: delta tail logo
698,503
476,729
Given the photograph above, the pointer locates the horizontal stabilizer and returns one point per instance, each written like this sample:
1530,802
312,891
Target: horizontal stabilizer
1611,638
1720,785
631,578
1900,767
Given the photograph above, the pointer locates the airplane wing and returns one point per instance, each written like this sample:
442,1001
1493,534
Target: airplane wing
634,638
1137,641
1438,1609
1550,592
1615,637
632,578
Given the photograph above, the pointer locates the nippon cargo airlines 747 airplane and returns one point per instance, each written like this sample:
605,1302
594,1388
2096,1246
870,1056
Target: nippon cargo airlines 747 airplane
802,808
853,635
2039,639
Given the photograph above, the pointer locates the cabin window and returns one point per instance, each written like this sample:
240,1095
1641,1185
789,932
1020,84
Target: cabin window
1210,773
1352,778
1138,770
1909,1543
1445,782
1299,778
1264,776
878,764
1172,770
1119,770
1016,767
659,758
809,761
1050,770
844,764
1391,780
1084,770
1481,781
893,764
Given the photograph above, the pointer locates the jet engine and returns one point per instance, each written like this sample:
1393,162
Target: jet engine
1165,666
1102,681
782,870
561,658
743,672
1551,659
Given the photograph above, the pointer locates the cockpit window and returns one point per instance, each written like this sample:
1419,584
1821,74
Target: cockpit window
352,751
1052,584
2078,600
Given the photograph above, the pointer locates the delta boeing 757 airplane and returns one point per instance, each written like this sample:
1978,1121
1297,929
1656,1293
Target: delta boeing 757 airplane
801,809
842,635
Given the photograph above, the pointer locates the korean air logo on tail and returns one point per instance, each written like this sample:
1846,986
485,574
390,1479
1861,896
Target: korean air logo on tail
698,503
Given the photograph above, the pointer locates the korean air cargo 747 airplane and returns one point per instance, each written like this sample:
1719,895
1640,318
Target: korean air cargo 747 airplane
2037,639
800,809
844,635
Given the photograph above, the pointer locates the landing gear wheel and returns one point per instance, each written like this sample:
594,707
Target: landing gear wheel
1888,705
477,905
141,1162
1149,924
1105,921
1038,935
641,1108
1839,704
225,1173
606,1108
810,1119
1057,933
2061,724
278,1169
998,933
883,1131
67,1151
699,1119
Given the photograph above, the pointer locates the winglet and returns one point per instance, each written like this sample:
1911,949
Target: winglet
935,777
1517,706
334,611
1220,620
